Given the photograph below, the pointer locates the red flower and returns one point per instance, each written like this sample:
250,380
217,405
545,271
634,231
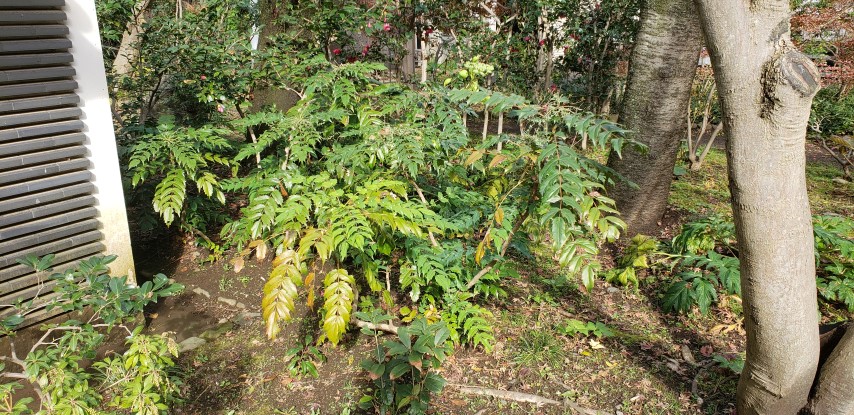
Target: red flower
203,77
542,42
387,27
336,51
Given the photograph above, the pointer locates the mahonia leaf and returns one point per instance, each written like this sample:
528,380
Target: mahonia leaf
169,195
338,295
280,293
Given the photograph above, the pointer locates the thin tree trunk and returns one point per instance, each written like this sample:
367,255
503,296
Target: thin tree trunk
283,99
766,88
127,52
663,64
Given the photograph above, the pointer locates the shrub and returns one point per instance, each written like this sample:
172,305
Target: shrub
142,379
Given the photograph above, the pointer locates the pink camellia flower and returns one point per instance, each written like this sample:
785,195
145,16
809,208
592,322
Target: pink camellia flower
386,27
527,39
542,42
336,51
220,108
203,77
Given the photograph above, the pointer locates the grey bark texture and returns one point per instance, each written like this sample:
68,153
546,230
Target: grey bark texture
766,88
835,385
127,52
663,64
283,99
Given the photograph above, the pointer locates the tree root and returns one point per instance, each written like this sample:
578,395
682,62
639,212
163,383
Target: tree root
525,397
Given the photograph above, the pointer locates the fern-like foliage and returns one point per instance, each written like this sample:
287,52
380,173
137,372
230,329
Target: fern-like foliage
704,235
382,179
468,323
338,295
280,292
178,156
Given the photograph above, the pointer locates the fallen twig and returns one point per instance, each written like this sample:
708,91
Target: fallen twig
508,395
525,397
389,328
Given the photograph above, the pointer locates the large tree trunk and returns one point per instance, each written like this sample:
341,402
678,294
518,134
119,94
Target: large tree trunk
663,64
766,88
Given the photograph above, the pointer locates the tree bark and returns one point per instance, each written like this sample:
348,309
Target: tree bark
835,386
663,64
766,88
283,99
128,51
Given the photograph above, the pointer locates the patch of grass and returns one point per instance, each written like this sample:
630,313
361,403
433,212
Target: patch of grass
826,195
539,347
706,191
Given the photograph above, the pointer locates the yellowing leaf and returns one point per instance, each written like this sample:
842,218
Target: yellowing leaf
474,157
338,296
499,216
261,251
480,252
238,264
497,160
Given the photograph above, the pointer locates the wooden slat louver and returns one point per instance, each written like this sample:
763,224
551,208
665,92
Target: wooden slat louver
46,202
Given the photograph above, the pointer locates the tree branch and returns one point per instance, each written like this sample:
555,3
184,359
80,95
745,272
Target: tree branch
251,134
424,201
504,247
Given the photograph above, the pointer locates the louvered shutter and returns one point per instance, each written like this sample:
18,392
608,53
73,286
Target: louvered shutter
46,202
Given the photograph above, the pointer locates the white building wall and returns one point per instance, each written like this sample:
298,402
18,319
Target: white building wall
101,140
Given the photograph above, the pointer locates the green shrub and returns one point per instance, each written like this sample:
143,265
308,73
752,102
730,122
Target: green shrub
142,380
404,370
833,112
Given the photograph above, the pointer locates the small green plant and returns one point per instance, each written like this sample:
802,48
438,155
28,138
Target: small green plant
834,248
146,372
302,359
468,322
404,370
700,280
705,256
573,327
141,380
731,361
225,283
636,256
538,347
704,235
